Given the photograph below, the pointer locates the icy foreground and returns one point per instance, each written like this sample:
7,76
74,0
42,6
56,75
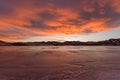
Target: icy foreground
60,63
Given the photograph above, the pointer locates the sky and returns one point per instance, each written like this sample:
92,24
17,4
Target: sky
59,20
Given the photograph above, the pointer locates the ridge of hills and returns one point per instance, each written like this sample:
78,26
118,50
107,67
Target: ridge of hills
110,42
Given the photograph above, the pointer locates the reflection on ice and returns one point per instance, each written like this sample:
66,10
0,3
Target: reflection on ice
60,63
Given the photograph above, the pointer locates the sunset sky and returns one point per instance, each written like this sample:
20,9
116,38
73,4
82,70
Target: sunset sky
59,20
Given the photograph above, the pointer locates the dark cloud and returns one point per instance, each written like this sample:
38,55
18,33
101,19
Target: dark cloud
42,17
38,25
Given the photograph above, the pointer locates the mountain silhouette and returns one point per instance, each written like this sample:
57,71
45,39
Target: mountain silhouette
110,42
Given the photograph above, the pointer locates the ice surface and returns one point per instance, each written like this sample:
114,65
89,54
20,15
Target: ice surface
60,63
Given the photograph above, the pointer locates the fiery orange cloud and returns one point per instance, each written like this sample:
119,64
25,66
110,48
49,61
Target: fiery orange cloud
26,18
115,5
93,26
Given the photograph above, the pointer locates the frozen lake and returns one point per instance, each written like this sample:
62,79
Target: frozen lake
59,63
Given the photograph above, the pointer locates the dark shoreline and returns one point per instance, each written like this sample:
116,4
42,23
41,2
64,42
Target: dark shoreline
110,42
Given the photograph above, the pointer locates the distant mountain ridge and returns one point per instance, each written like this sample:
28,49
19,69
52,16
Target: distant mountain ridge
110,42
2,43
